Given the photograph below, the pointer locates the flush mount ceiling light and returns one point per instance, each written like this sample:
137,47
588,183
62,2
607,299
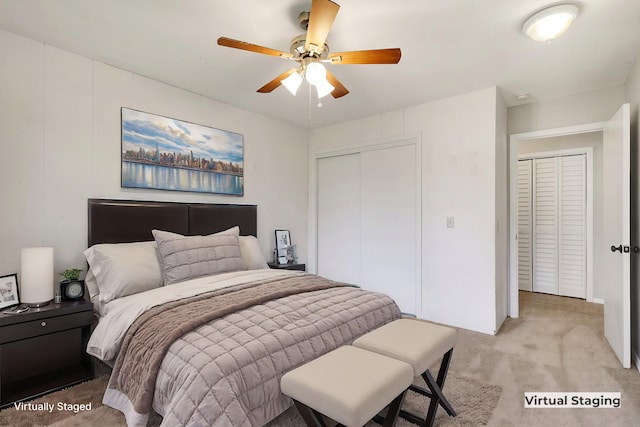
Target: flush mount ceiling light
547,24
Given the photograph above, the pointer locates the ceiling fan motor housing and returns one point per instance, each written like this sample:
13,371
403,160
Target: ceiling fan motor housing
298,50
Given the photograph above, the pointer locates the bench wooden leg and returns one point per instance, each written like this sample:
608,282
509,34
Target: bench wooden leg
311,417
434,392
394,410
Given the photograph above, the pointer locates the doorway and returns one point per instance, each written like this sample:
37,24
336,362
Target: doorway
616,224
531,139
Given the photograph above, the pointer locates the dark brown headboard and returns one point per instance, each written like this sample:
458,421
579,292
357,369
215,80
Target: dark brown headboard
122,221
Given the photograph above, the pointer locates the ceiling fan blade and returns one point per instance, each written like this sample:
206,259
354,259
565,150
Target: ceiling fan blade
273,84
339,90
377,56
237,44
321,17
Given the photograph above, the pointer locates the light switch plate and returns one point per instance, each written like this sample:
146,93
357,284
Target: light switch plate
449,222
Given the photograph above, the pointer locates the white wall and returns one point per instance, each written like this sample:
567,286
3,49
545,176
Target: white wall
459,179
594,140
633,97
589,107
60,143
502,213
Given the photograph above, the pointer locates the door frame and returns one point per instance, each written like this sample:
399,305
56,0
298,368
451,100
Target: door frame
588,152
514,139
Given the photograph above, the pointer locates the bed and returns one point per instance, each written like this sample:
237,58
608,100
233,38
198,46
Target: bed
195,324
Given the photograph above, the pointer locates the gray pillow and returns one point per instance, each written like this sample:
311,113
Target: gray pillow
189,257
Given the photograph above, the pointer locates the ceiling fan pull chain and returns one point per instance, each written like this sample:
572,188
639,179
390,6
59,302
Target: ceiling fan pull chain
309,105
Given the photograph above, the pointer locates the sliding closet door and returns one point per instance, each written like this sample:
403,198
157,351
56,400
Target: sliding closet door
368,227
545,225
339,218
525,214
572,227
389,223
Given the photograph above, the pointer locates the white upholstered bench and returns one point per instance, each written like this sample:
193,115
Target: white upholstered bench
420,344
348,385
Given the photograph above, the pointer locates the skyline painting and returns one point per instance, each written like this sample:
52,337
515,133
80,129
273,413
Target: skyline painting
169,154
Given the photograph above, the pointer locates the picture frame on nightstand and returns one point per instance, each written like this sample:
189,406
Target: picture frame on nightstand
9,295
283,242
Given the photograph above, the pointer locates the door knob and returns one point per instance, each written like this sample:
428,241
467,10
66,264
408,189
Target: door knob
625,249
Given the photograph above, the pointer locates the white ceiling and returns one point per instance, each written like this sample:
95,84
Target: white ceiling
448,47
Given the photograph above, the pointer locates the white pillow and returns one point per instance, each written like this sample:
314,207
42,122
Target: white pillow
122,269
94,292
251,253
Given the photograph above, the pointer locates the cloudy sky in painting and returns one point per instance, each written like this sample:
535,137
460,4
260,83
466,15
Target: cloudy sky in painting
175,136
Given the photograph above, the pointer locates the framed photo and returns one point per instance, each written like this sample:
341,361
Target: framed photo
9,290
283,241
169,154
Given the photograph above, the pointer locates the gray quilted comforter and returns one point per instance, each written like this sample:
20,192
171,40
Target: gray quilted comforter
226,371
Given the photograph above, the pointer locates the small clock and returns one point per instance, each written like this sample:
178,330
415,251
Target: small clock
72,290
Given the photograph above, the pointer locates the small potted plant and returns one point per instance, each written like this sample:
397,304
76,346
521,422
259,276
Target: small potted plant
71,274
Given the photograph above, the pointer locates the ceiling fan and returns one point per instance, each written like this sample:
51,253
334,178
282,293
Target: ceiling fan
310,50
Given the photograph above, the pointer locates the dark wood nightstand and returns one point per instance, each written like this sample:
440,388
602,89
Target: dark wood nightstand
300,267
44,349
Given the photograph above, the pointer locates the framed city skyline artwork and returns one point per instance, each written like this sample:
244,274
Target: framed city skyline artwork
168,154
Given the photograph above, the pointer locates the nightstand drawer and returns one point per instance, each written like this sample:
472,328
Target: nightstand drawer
44,326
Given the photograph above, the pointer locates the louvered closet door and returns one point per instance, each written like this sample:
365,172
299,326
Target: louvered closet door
525,213
545,225
572,226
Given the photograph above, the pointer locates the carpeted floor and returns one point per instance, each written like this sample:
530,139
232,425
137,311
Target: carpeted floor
474,402
556,345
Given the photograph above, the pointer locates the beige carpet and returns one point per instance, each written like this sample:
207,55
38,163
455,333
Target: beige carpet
473,400
556,345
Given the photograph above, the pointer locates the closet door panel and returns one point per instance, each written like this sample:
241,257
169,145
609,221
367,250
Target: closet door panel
525,214
339,218
389,223
572,227
545,228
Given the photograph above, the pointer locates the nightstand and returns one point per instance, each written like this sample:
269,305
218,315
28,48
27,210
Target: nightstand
44,349
300,267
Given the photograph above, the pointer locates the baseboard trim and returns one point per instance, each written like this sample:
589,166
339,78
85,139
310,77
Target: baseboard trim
598,301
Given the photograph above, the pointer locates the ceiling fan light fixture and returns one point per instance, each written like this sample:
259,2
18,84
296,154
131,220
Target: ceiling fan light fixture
293,82
549,23
324,88
315,73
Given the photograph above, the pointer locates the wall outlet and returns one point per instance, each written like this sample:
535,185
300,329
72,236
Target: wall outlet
449,222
